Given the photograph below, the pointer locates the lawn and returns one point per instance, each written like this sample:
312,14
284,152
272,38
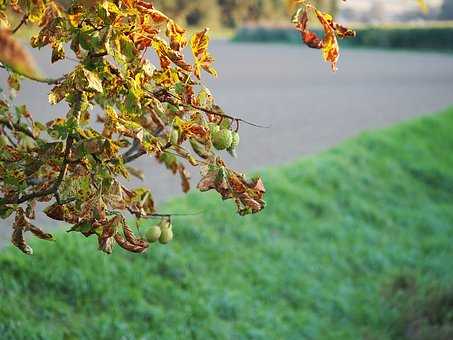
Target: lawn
355,243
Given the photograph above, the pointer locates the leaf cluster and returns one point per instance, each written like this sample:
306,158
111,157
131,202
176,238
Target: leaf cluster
75,164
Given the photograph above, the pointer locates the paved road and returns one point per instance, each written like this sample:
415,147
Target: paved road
310,108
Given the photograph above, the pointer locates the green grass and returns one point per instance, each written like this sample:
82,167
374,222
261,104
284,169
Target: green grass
355,244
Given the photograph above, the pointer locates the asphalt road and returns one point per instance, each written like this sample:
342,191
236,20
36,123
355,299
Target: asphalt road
290,88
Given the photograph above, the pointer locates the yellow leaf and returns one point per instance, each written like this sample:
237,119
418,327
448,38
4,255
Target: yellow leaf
203,60
423,6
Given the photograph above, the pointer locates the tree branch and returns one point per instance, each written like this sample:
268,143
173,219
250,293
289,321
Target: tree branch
21,23
48,81
211,112
17,127
53,189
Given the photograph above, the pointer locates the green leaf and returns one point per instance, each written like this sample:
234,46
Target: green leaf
94,83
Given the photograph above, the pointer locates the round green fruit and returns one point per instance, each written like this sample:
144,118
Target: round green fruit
222,140
213,128
166,236
165,224
153,234
235,141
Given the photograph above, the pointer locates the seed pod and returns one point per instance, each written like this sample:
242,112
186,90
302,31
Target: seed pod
213,128
226,123
234,144
235,141
165,224
222,139
166,236
153,233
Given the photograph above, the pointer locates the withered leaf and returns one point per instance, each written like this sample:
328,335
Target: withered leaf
15,56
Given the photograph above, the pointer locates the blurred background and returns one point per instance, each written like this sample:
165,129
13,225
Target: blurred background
356,240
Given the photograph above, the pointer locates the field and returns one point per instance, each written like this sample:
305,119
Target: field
355,243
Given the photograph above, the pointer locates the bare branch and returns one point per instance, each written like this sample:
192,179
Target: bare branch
21,23
211,112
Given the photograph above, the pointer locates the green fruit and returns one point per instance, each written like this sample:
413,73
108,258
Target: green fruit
166,236
222,139
226,123
153,234
165,224
213,127
234,144
235,141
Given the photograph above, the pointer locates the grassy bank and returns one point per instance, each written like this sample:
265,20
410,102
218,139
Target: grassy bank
436,37
355,243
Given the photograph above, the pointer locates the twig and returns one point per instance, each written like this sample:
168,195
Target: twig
172,215
216,113
17,127
21,23
130,158
53,189
48,81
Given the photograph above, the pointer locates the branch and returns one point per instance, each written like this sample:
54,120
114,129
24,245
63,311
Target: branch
211,112
21,23
17,127
130,158
48,81
53,189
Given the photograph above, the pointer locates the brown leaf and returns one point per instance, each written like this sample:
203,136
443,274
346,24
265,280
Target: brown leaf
17,238
13,55
39,233
185,178
123,243
130,237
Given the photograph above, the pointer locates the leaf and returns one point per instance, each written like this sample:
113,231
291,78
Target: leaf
423,6
329,43
57,52
203,60
176,35
94,83
13,55
185,178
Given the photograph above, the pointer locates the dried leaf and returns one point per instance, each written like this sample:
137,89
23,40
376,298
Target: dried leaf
13,55
203,60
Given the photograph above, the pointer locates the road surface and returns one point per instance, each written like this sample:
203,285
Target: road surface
290,88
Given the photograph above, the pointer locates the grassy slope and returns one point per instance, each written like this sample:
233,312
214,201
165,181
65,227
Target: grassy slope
347,238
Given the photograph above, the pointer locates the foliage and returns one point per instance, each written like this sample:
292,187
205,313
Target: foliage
378,240
329,43
435,37
75,165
